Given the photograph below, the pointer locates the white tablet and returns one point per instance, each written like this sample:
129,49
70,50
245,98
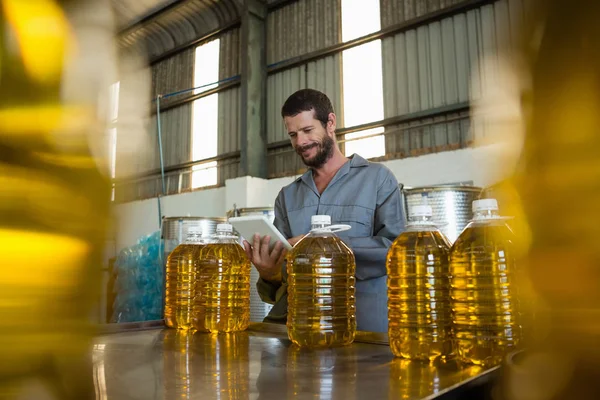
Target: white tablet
248,225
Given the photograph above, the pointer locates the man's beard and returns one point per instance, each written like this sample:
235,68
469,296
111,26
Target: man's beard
324,152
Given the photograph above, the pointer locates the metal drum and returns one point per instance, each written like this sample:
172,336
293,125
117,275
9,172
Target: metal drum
174,229
258,308
451,205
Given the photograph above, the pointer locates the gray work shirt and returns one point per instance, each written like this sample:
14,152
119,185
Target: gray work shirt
362,194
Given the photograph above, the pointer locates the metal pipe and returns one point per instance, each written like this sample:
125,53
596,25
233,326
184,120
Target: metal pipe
231,78
233,82
160,149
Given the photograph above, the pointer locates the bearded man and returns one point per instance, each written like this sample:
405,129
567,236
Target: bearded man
352,190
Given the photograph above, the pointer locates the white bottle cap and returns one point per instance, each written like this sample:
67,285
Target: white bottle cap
485,205
421,211
195,230
320,220
225,227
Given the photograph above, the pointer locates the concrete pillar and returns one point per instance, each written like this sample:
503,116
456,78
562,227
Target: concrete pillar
254,83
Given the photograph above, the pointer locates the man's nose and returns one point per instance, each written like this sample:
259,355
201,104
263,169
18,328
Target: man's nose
301,139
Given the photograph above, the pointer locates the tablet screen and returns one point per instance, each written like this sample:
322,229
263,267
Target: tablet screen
248,225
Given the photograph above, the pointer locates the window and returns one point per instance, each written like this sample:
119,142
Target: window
113,115
362,81
205,117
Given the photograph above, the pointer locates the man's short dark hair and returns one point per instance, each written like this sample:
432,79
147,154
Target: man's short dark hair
307,100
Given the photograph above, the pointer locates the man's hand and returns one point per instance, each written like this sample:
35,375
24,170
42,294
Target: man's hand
295,239
268,264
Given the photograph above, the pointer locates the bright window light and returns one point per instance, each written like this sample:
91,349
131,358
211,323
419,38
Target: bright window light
113,115
205,115
359,18
204,140
362,76
114,101
112,148
206,67
367,148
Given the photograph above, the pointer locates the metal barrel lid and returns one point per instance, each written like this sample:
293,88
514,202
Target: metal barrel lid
174,228
443,188
451,205
250,211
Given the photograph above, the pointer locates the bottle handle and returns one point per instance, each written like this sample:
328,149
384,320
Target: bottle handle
333,228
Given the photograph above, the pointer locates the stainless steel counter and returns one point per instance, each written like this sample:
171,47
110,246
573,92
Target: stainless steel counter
261,363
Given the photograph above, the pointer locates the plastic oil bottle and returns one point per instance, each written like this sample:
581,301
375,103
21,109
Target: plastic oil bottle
321,287
180,276
222,296
54,201
419,311
484,288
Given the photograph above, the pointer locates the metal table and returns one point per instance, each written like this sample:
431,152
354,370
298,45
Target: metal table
261,363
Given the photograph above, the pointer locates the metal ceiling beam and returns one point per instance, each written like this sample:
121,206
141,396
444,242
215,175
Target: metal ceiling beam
197,42
150,16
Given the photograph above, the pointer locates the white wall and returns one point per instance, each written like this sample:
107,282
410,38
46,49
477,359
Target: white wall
480,165
139,218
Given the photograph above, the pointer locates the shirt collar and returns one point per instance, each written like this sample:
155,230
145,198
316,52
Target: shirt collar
356,161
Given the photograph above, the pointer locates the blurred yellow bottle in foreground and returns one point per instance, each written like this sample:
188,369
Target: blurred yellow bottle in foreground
559,185
54,206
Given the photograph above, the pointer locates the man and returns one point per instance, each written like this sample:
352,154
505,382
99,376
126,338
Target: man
351,190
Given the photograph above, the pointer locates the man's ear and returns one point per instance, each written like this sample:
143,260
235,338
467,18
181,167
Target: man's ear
331,123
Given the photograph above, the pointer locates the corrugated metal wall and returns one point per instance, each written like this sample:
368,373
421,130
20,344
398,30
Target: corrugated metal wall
174,74
168,76
229,54
433,67
442,64
302,27
397,11
295,30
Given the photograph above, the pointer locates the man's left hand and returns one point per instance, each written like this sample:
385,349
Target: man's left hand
295,239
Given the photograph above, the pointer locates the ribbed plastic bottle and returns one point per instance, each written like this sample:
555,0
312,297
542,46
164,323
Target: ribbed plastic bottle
419,310
55,193
484,288
321,286
180,276
222,298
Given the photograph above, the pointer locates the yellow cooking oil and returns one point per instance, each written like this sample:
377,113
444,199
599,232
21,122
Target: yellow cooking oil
419,311
180,277
221,366
179,364
321,289
54,203
222,287
484,288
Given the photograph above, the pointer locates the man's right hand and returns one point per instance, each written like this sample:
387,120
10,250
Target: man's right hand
268,264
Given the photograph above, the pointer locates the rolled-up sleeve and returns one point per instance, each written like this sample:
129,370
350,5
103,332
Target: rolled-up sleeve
371,252
268,291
